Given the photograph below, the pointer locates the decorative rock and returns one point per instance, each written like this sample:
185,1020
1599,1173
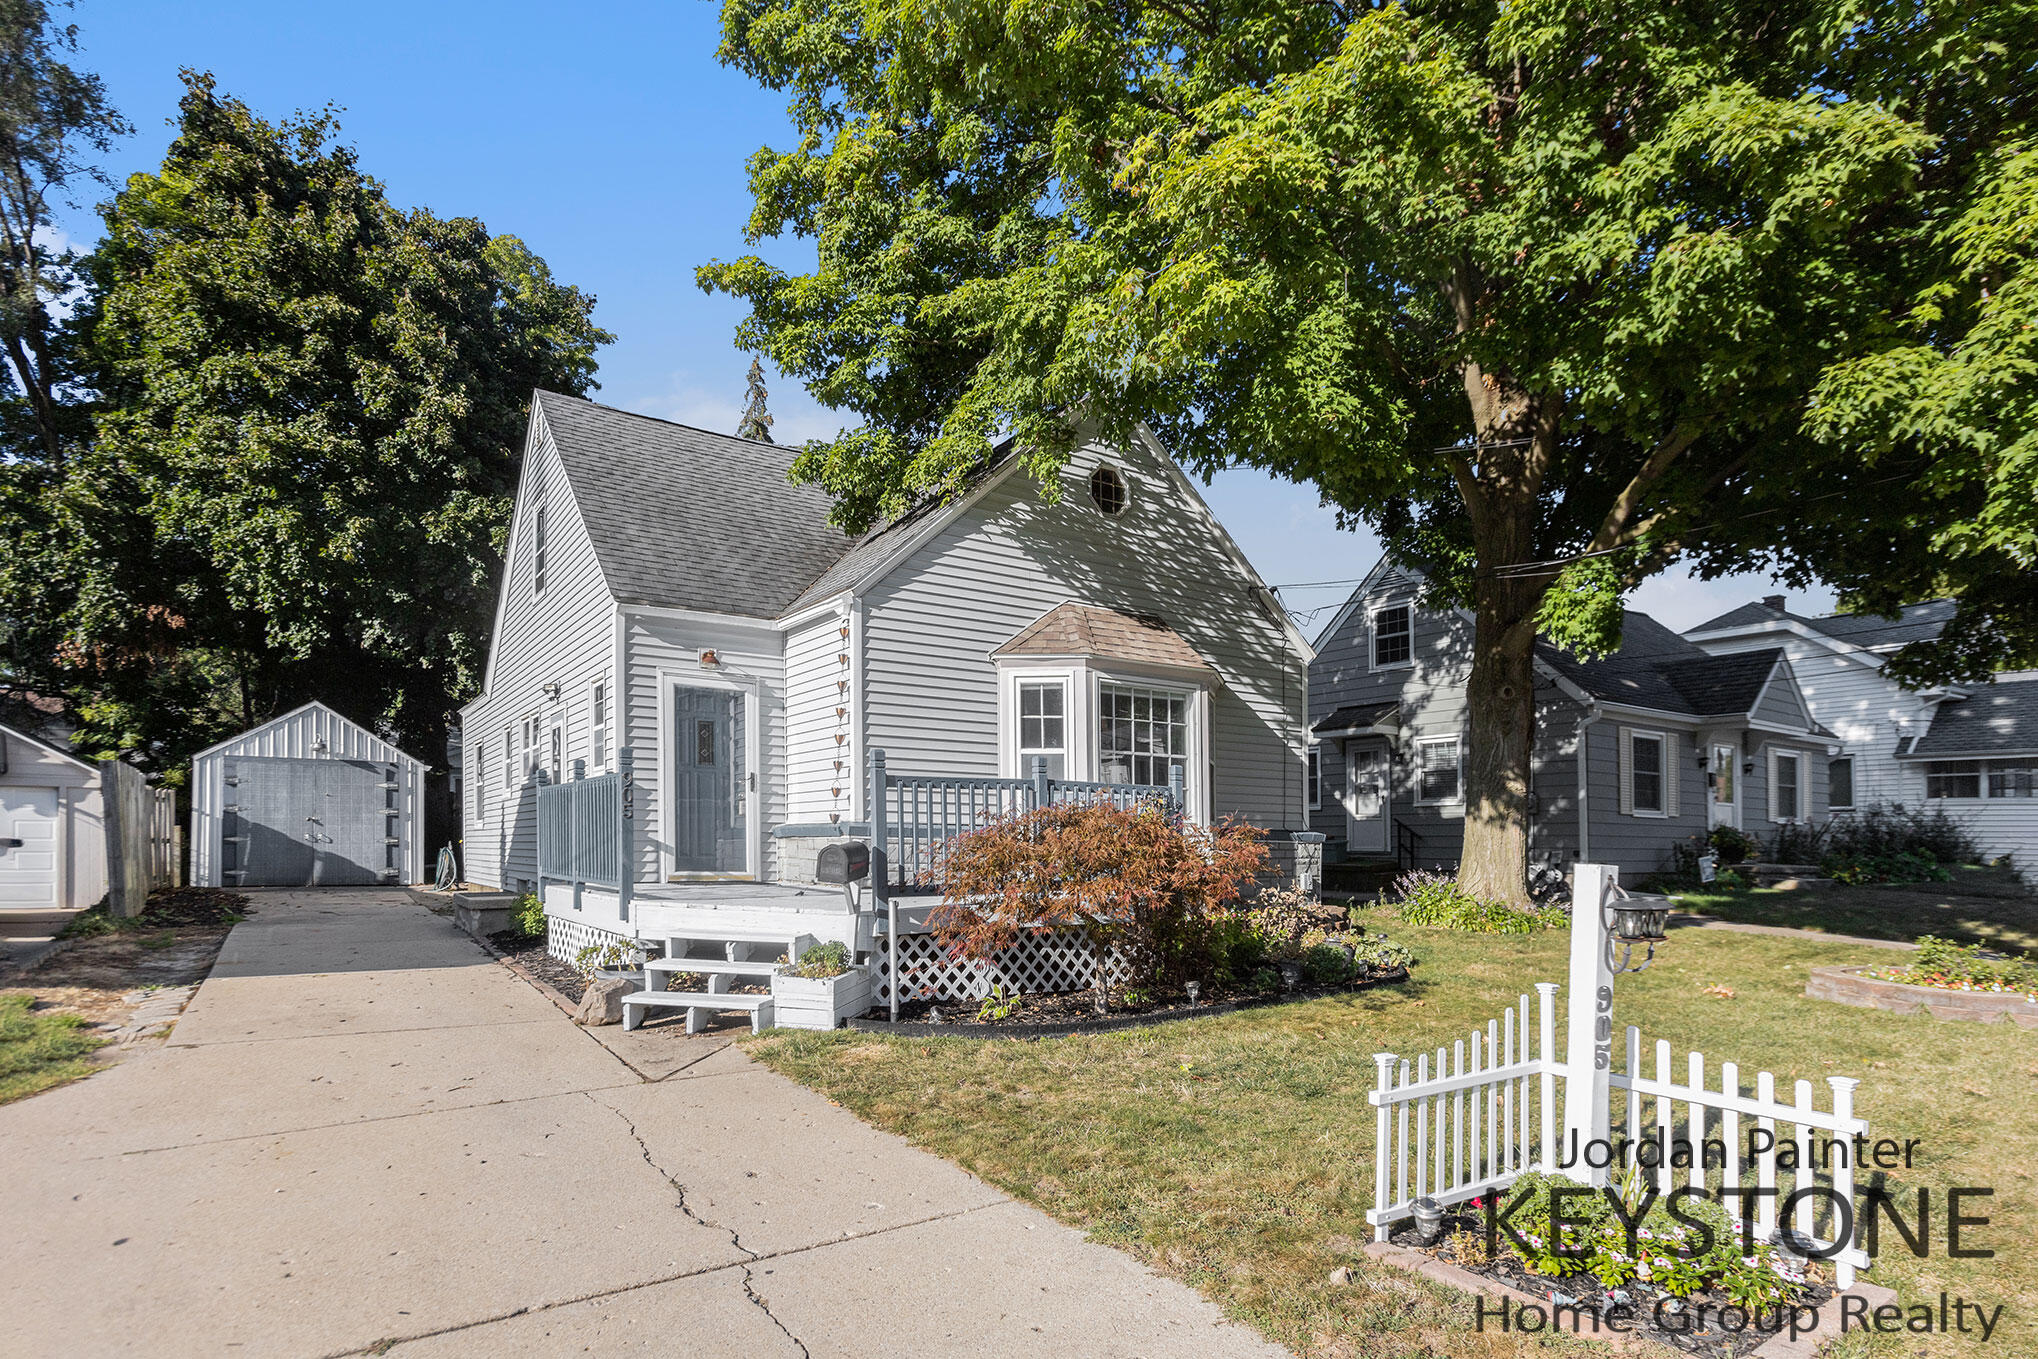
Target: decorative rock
1341,1275
602,1003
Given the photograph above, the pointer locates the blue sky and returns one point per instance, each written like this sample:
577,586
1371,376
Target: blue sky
607,136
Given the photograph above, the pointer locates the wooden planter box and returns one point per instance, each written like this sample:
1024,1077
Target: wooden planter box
819,1003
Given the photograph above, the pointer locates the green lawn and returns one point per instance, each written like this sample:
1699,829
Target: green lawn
1236,1152
1981,906
38,1051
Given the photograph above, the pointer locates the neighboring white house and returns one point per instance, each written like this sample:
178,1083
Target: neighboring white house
52,826
306,799
1972,749
668,590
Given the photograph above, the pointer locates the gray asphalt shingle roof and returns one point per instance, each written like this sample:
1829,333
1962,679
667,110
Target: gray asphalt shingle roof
690,519
1655,668
2000,718
1915,623
1355,717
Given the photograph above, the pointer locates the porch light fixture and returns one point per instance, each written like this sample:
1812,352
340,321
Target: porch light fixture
1747,766
551,690
1704,760
1634,918
709,660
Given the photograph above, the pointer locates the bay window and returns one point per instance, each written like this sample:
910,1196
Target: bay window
1142,733
1043,726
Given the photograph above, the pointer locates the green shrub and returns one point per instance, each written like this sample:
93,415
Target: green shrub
615,955
1800,843
1432,899
1326,965
1886,830
1904,866
1380,952
820,962
1730,844
527,916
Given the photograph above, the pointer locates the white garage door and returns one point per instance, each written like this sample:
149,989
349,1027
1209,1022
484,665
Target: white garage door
28,847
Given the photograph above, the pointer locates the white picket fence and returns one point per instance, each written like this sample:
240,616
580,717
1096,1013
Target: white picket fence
1486,1112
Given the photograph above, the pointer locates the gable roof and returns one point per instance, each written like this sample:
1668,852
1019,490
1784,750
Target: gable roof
1657,669
1997,719
62,753
1087,630
690,519
1913,623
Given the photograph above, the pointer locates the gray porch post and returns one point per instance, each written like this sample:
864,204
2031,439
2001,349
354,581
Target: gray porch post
626,811
1043,787
880,877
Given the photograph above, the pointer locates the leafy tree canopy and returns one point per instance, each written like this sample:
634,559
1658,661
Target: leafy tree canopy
314,411
1543,292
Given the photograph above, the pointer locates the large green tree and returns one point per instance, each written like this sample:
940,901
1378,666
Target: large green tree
313,415
1542,292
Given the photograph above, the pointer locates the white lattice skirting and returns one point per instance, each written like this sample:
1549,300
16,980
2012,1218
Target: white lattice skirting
1039,964
566,938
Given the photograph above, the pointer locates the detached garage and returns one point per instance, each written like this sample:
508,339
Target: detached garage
306,800
52,827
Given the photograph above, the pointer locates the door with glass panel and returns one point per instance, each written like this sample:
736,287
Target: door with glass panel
1366,801
710,782
1724,798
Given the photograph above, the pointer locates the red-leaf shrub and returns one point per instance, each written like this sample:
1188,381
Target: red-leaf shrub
1129,880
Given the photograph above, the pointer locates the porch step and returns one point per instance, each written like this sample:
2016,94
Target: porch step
792,941
697,1003
713,967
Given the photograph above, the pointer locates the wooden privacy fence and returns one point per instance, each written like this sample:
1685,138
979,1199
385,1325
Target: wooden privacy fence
141,834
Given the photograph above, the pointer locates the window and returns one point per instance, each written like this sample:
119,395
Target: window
1786,801
1437,773
555,749
704,742
1840,784
2005,781
530,760
1953,778
1141,734
1393,636
478,761
1043,727
1315,779
538,552
598,725
1723,774
1646,773
509,757
1107,490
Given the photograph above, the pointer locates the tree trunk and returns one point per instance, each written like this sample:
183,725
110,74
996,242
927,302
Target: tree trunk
1500,708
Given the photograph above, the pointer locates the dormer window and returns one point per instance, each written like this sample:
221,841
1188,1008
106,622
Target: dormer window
1108,491
538,552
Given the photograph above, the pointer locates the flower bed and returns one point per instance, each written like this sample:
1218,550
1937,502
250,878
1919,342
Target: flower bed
1860,986
1665,1280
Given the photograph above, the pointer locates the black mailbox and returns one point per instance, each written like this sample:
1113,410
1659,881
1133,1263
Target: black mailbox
844,863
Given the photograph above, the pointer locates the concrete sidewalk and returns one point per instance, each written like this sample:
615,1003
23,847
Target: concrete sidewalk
366,1135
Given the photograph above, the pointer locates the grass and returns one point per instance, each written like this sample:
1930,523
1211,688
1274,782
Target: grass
1235,1153
38,1051
1980,906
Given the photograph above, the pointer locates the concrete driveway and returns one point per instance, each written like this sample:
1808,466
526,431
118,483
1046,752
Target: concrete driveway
366,1136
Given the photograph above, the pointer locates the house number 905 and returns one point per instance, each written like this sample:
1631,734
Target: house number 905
1602,1031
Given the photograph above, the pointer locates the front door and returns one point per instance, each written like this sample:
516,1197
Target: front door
1366,800
1725,781
711,831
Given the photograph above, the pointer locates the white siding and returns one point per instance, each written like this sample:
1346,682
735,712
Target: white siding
313,731
817,663
930,686
80,815
662,652
565,636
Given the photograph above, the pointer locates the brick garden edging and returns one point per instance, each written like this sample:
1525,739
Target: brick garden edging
1846,986
1779,1346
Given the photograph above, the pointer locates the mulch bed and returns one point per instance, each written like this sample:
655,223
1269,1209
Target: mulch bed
177,906
1052,1016
1696,1319
529,953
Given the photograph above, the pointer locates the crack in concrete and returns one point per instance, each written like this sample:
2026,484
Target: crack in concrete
757,1300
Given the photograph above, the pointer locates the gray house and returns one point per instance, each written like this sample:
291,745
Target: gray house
667,590
1634,751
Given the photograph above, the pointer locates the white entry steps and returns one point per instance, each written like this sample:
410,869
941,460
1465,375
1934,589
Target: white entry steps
739,958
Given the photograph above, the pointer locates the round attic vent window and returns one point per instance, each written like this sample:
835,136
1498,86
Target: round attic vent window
1107,490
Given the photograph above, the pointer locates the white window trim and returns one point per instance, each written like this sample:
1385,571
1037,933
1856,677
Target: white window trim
541,560
1458,798
599,746
670,682
1664,773
1373,660
1194,715
1022,758
509,755
1853,767
1777,757
1312,776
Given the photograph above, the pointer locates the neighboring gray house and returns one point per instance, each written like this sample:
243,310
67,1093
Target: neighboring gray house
1675,740
667,590
1972,749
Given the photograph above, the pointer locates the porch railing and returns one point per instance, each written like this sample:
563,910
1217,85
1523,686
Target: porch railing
580,831
913,819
